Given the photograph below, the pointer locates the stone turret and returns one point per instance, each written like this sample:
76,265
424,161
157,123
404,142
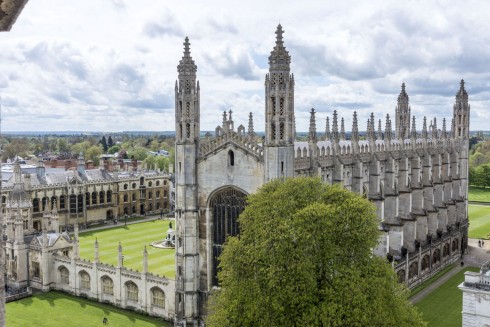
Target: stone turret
461,114
279,113
187,126
402,113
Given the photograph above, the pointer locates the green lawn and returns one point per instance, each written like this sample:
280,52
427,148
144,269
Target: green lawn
443,306
133,238
478,194
419,288
479,216
55,309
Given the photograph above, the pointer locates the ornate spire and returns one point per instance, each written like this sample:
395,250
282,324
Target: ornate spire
279,58
251,125
355,128
403,94
434,129
461,92
186,65
342,129
96,251
371,127
424,128
312,134
380,133
120,261
145,261
225,120
335,128
327,130
388,127
444,132
414,129
402,119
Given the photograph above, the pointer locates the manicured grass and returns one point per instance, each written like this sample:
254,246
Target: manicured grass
431,280
478,194
56,309
133,238
443,306
479,216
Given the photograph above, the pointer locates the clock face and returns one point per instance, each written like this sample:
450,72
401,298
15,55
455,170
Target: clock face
25,214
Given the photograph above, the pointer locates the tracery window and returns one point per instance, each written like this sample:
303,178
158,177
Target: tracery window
187,109
225,206
273,131
157,297
281,131
94,198
188,130
64,275
84,280
131,291
281,106
101,197
62,202
273,103
107,286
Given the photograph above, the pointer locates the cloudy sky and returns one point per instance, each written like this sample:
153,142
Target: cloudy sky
110,65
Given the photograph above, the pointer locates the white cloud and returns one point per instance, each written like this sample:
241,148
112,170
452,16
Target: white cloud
111,65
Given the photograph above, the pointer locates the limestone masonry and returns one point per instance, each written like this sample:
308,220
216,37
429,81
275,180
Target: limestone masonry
417,181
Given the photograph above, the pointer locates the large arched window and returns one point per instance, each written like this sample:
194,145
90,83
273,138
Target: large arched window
131,291
107,285
94,198
225,206
125,198
84,280
87,198
157,297
64,275
101,197
109,196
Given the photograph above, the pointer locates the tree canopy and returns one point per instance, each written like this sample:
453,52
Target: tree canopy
304,258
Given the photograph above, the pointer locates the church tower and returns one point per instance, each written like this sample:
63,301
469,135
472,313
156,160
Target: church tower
187,112
461,114
279,113
402,114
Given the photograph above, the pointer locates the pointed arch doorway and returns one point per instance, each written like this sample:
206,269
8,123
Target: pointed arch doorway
225,207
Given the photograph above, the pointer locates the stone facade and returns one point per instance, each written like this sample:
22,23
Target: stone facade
416,178
90,196
37,207
476,297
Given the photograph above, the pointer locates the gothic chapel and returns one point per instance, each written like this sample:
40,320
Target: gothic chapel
416,178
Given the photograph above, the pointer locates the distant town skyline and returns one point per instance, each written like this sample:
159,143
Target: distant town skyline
110,65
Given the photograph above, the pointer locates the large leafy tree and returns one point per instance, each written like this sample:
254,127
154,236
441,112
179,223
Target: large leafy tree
304,258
